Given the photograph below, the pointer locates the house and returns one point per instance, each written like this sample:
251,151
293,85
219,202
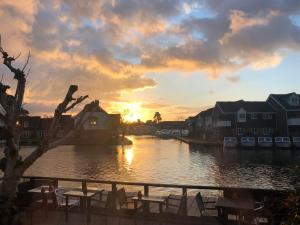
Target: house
287,107
202,123
99,127
29,126
34,128
240,118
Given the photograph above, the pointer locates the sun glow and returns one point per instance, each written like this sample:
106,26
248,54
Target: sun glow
131,112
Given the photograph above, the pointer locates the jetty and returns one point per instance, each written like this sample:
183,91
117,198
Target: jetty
107,202
189,140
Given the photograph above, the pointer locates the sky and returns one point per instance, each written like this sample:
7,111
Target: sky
138,57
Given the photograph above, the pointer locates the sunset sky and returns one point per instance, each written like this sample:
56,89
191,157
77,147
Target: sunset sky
142,56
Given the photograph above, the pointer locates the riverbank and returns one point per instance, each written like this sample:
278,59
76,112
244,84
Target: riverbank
199,142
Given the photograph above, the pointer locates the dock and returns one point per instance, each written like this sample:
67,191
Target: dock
189,140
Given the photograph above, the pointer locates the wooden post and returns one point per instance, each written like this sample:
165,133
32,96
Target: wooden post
114,195
55,183
146,190
184,193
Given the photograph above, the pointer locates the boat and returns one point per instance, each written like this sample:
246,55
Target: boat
248,142
265,142
230,142
282,142
296,142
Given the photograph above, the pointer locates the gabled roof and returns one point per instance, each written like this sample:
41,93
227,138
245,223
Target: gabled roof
282,99
233,107
204,113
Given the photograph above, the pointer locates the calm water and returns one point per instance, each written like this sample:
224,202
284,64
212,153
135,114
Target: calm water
170,161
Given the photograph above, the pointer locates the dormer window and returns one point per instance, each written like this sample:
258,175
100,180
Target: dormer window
93,121
241,115
294,99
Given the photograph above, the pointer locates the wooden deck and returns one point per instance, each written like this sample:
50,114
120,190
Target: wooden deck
57,217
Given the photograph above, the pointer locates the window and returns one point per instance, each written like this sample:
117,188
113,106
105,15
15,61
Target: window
267,131
240,131
267,116
253,116
93,121
26,124
242,116
253,130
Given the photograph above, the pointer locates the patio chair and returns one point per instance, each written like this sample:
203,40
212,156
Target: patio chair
204,217
175,210
104,206
126,207
60,199
204,206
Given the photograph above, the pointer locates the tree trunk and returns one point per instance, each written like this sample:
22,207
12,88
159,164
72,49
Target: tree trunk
8,192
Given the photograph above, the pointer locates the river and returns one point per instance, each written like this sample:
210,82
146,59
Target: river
156,160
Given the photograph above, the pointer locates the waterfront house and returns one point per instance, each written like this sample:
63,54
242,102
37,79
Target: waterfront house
203,123
99,127
34,128
244,118
287,107
29,126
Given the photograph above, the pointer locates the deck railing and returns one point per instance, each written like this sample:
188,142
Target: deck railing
146,186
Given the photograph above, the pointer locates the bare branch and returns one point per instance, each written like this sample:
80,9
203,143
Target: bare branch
78,101
27,73
28,57
17,56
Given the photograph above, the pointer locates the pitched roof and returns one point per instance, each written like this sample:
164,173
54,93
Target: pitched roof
283,99
232,107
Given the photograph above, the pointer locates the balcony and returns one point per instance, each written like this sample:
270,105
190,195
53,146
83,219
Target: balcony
224,123
293,122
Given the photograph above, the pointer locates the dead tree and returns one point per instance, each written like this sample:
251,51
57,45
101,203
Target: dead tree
12,165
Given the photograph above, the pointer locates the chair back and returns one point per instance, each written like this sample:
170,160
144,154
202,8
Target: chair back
109,204
200,202
183,205
121,195
59,196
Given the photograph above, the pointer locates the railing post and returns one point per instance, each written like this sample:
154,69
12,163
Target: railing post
146,190
55,183
114,195
184,193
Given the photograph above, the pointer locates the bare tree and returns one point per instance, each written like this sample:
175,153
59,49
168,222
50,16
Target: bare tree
12,165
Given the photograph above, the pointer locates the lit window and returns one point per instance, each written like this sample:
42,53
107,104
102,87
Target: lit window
93,122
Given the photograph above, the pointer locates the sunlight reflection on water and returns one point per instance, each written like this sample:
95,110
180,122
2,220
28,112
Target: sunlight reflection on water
170,161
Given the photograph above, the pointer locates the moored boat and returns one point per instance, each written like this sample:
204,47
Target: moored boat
265,142
282,142
230,142
296,142
248,142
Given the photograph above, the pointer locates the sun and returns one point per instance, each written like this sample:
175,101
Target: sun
132,112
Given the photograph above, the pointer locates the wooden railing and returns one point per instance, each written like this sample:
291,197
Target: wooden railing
146,186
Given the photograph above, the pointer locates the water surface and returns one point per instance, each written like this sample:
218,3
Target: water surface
156,160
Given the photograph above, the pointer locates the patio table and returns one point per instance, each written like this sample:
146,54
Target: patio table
146,200
225,204
82,195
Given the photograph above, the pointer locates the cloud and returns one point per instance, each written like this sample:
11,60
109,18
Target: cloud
233,79
108,47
